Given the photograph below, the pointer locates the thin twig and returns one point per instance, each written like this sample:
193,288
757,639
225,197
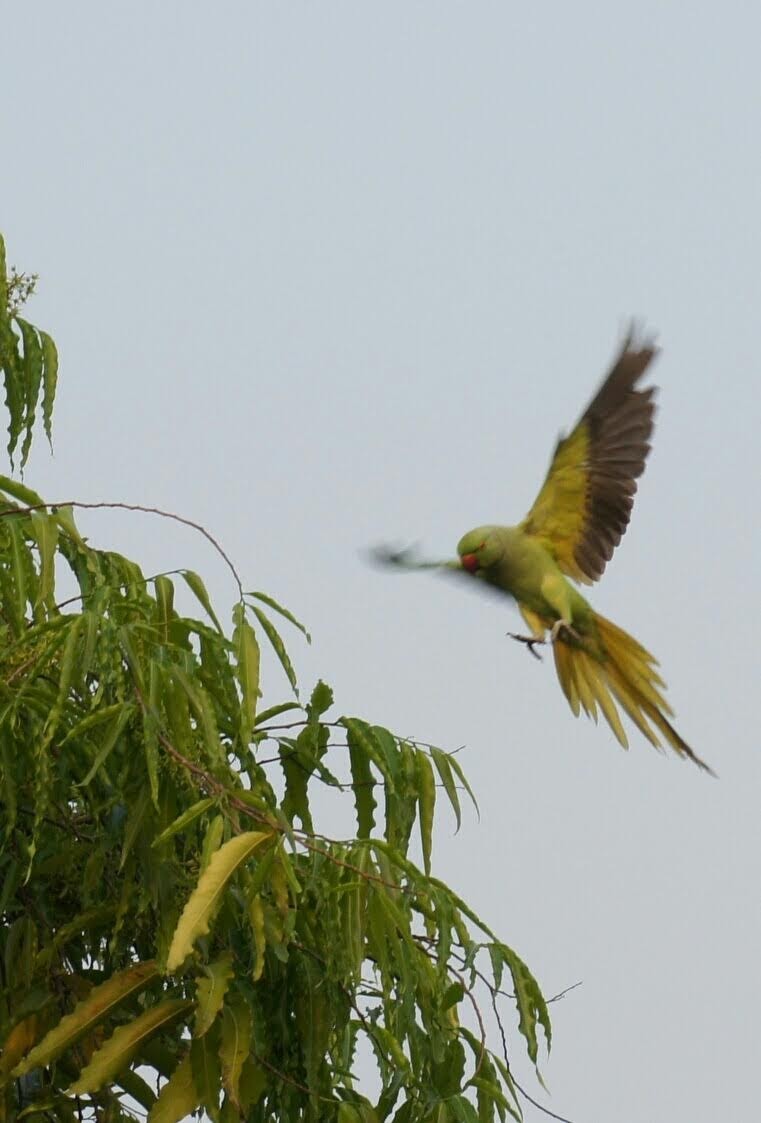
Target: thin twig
290,1079
80,505
535,1103
563,993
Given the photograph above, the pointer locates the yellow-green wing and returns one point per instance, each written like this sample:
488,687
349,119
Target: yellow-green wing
585,502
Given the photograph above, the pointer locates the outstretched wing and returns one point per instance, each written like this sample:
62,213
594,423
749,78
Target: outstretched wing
585,502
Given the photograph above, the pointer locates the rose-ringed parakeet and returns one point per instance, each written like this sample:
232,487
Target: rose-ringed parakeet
571,531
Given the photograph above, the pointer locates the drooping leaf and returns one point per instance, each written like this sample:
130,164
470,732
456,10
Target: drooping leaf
426,804
188,816
45,529
98,1004
120,1049
278,647
50,381
33,363
273,604
139,1089
206,897
256,916
457,768
207,1071
235,1044
247,670
211,988
21,492
362,782
532,1008
444,769
119,716
197,587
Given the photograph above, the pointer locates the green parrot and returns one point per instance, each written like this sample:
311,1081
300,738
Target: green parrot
571,531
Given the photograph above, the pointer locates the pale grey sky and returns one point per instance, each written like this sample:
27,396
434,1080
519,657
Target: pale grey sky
329,274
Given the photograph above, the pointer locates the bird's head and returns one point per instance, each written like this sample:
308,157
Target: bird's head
480,549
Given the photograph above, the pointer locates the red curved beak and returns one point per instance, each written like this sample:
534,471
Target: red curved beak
470,562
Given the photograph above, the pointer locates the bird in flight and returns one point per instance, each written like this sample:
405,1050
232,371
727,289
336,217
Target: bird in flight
577,520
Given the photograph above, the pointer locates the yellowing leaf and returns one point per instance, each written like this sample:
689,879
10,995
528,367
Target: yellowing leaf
210,992
256,916
235,1045
207,896
178,1097
123,1045
19,1040
93,1009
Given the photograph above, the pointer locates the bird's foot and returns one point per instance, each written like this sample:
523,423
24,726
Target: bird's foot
531,643
562,630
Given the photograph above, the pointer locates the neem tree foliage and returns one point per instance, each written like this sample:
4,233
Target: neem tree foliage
175,935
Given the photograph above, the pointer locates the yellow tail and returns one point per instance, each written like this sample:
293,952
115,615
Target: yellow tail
616,666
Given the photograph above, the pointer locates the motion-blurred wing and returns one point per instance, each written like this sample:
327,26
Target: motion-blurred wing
585,503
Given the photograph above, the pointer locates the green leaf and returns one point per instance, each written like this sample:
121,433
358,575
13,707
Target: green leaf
363,736
184,820
282,611
21,569
207,1075
256,918
444,769
210,992
179,1096
392,755
452,996
320,702
50,379
45,530
247,671
426,804
95,719
204,712
297,768
120,1049
19,491
139,1089
235,1045
207,896
164,606
197,587
275,711
120,721
455,765
532,1008
212,840
32,377
278,647
362,781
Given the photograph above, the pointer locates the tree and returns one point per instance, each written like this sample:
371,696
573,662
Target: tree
169,908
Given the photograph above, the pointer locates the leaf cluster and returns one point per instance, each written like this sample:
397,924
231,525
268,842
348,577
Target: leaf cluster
177,931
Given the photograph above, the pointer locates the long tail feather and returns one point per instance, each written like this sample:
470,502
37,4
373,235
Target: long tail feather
617,667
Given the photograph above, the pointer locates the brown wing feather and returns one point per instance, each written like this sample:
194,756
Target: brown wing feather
620,423
596,469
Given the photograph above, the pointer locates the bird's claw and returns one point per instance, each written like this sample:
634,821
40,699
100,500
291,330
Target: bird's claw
561,630
531,643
